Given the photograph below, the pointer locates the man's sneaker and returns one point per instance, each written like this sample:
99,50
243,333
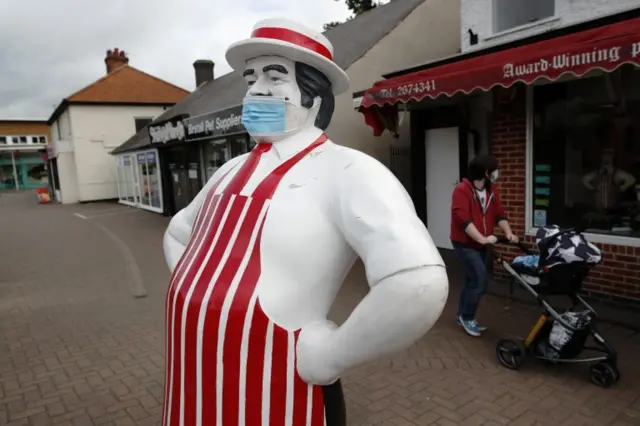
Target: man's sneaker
480,328
470,326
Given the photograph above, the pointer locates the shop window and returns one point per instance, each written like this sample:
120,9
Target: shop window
239,145
36,175
215,154
149,179
141,123
586,154
508,14
127,179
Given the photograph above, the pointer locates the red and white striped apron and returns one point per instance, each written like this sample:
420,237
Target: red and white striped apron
227,364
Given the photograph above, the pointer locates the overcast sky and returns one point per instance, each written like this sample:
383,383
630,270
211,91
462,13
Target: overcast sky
52,48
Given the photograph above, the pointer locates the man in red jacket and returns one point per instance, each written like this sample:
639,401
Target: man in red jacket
475,210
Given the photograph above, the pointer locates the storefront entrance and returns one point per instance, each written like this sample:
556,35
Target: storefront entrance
22,170
442,174
183,175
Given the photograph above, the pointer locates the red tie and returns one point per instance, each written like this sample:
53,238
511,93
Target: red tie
240,179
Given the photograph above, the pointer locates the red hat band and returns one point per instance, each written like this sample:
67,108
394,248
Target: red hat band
293,37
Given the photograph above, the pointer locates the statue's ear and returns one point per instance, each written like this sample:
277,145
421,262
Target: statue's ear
317,101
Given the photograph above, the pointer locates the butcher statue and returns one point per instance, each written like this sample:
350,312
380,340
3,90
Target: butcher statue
259,255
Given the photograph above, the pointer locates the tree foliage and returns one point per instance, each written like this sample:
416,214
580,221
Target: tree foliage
330,25
356,7
361,6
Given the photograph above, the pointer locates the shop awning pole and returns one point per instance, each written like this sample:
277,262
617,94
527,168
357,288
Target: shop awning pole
15,169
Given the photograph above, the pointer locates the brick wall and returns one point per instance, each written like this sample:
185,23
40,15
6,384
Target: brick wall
619,274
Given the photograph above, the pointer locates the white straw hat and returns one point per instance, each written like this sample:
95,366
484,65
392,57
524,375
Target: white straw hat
288,39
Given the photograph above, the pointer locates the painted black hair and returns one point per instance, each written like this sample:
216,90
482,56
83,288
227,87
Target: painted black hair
480,166
313,83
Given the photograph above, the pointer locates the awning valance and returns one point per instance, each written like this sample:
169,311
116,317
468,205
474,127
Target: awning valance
606,48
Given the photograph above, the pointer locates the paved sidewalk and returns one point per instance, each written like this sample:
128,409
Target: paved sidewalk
76,348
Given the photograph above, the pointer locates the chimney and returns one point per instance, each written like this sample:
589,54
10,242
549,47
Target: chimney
115,59
204,71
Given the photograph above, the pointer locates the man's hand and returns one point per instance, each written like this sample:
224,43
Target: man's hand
512,238
491,239
314,354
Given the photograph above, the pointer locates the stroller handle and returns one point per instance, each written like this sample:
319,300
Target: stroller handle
504,240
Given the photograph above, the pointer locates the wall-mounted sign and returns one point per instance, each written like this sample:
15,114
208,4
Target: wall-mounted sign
169,131
126,160
146,157
215,124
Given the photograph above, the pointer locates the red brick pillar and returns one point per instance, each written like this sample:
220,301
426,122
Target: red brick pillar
509,141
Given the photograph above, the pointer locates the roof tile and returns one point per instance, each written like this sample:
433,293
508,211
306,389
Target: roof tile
129,85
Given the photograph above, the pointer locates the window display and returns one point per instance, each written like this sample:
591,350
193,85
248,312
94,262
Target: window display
586,152
219,151
139,180
215,154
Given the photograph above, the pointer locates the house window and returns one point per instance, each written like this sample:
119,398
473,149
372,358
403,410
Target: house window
42,139
586,154
141,123
23,140
3,140
508,14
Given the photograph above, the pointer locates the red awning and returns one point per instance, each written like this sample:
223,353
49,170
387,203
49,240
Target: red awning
605,48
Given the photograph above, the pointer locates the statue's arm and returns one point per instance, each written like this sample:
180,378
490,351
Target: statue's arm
406,274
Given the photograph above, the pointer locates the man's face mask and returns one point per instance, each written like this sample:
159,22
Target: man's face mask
265,116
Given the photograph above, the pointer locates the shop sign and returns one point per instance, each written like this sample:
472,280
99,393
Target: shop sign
151,157
215,124
51,151
142,158
167,132
126,161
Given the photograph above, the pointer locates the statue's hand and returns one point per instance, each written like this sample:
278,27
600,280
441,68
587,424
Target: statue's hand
316,360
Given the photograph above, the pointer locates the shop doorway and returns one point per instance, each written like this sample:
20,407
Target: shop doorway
442,150
179,180
183,176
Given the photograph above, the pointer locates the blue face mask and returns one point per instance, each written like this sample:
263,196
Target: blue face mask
264,115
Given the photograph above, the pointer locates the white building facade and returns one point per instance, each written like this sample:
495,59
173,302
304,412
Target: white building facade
83,137
500,21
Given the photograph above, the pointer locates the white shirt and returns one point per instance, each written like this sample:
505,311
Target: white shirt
482,197
334,205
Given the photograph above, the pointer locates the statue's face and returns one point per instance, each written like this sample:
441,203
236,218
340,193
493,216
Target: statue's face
274,76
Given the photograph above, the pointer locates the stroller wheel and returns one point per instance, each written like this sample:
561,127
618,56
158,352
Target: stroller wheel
510,353
604,374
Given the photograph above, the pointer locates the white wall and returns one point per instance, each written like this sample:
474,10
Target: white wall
430,32
477,15
97,130
63,143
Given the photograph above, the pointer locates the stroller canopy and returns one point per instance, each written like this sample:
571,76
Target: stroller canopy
570,247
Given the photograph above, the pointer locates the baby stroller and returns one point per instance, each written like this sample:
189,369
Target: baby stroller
564,260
